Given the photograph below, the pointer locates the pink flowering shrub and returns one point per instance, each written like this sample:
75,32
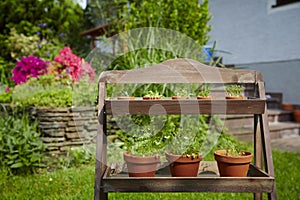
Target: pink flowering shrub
27,67
66,65
74,66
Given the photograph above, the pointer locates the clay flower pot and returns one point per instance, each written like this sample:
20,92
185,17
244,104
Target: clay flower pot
151,98
141,166
125,98
287,106
183,166
204,98
296,114
234,97
179,97
235,166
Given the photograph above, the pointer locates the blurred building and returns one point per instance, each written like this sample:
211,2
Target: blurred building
261,35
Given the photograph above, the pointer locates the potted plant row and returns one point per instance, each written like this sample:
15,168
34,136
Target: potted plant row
233,91
182,145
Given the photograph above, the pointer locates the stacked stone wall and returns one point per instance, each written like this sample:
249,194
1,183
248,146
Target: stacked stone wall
63,128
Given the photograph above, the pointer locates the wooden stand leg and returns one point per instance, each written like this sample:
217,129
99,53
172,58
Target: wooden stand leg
266,141
257,151
101,150
268,158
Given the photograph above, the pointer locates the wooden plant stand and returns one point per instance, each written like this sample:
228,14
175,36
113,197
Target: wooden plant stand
260,178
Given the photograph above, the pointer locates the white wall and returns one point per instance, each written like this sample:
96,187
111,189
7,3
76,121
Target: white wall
253,32
261,38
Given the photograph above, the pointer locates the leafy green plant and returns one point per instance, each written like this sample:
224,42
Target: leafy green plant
189,136
46,92
5,94
40,95
21,149
153,95
145,136
182,92
230,144
21,45
234,90
170,14
205,91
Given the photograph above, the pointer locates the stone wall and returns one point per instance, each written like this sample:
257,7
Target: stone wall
62,128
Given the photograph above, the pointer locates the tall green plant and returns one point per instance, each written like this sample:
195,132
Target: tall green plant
186,16
21,149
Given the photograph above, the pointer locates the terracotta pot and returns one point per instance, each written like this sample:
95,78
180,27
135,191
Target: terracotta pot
204,98
125,98
183,166
287,106
236,166
234,97
296,114
151,98
141,166
179,97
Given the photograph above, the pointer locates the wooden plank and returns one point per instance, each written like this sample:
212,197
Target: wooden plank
266,142
190,106
100,147
202,183
180,71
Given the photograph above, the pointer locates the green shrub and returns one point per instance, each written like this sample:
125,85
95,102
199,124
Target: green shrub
40,95
5,96
46,92
21,149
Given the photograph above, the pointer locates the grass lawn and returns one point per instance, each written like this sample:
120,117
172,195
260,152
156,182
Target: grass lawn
78,183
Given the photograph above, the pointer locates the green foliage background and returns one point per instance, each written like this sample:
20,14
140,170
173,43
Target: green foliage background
21,149
38,27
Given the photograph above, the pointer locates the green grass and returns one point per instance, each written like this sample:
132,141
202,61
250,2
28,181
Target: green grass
78,183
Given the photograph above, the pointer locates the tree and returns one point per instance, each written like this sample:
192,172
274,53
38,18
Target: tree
183,16
58,22
186,16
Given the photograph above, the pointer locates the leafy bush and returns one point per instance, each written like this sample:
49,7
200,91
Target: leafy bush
21,149
186,16
41,95
5,94
52,84
44,92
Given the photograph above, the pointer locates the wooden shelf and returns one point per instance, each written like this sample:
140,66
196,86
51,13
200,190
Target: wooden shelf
186,106
208,180
187,71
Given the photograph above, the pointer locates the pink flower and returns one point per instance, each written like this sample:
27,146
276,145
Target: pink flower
75,67
7,89
30,66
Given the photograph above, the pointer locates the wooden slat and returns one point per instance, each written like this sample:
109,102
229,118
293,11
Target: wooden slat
101,146
180,71
266,142
165,183
168,106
